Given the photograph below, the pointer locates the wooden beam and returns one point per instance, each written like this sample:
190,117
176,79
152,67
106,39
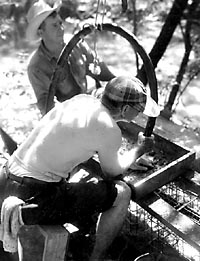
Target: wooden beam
56,242
43,243
161,177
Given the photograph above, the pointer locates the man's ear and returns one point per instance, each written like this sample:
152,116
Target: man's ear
39,32
124,109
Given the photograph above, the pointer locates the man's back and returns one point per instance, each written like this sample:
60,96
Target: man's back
68,135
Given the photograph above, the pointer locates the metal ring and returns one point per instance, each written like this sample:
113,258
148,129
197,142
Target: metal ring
131,38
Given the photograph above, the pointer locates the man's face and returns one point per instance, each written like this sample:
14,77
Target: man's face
53,30
126,113
129,113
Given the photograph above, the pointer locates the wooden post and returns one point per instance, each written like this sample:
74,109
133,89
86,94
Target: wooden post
43,243
56,242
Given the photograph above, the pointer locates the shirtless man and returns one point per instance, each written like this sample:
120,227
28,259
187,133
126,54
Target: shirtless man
68,135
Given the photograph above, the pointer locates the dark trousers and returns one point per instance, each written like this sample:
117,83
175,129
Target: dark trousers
61,202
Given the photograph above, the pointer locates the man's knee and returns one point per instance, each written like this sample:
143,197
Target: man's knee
123,192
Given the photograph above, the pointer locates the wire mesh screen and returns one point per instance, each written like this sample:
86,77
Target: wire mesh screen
182,200
151,235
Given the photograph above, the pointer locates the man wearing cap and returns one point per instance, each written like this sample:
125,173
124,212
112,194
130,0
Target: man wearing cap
68,135
45,24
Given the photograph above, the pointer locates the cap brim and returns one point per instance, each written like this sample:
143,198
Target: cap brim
31,31
151,108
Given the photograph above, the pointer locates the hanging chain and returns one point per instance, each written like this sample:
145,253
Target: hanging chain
95,68
104,10
102,13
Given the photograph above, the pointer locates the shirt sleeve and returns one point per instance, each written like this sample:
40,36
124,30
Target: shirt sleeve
40,83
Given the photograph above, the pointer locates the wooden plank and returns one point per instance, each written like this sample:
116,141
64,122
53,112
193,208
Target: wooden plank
56,242
177,222
30,244
42,243
163,176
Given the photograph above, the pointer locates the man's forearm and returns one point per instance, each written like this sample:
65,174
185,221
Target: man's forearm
129,157
105,74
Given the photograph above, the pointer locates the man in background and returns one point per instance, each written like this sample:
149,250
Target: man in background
46,26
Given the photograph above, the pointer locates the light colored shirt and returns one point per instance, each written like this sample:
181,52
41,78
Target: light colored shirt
72,80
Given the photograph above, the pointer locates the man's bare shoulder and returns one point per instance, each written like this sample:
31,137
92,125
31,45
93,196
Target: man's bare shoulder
98,118
82,100
104,118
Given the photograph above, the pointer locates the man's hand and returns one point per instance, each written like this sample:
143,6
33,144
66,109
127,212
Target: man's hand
144,163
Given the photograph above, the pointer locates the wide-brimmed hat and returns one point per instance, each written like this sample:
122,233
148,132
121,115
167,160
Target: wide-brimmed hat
38,12
131,91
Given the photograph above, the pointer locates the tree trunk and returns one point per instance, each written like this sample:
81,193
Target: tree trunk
172,20
167,112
